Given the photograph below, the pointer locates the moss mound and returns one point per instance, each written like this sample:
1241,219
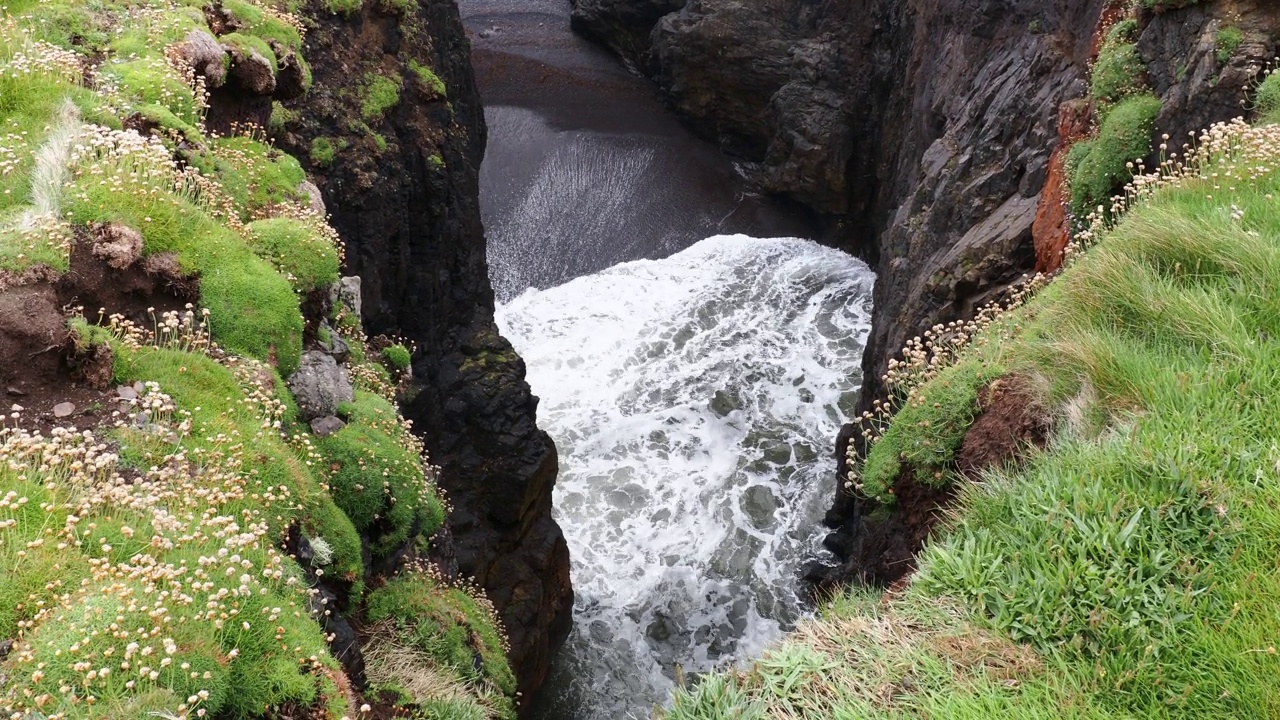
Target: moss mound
158,556
431,626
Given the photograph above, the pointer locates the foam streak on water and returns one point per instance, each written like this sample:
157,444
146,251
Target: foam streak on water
694,401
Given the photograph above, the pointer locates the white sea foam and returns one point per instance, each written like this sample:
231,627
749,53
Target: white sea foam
694,401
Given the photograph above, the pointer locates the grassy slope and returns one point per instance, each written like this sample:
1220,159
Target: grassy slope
1128,570
140,566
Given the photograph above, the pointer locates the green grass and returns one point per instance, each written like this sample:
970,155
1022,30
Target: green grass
398,355
429,79
253,309
298,249
247,44
1267,99
195,381
451,628
399,7
255,21
258,177
152,81
61,22
927,435
167,530
1118,73
1227,42
281,117
1098,167
343,7
378,94
170,522
143,37
376,475
1128,570
322,152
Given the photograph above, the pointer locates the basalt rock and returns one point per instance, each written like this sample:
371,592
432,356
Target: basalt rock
623,27
408,210
319,385
924,130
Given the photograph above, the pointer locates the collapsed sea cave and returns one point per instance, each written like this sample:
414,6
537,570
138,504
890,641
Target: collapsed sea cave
694,359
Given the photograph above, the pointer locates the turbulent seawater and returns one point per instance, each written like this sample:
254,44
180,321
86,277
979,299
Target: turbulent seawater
694,401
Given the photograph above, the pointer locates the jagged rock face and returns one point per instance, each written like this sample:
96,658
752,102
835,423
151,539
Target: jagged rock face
409,214
922,129
623,27
1196,89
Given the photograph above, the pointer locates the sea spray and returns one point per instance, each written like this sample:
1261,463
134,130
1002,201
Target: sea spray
694,401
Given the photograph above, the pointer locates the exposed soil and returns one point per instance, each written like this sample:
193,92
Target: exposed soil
33,337
1011,421
40,365
105,276
892,536
880,544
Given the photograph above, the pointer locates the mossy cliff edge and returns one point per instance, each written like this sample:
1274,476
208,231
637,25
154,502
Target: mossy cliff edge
1107,446
210,505
936,138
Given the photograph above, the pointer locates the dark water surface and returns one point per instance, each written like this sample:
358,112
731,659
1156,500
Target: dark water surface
585,167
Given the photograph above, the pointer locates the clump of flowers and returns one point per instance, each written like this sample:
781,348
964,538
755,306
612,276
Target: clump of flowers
186,330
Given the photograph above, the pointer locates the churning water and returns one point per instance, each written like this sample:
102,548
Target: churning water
694,401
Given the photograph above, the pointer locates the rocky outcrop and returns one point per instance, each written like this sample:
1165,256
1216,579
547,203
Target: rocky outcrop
400,184
319,385
925,131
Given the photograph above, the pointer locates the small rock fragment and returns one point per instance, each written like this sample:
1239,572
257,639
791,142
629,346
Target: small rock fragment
326,425
332,344
63,409
127,393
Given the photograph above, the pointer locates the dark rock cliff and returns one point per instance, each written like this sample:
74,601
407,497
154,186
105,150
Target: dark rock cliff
923,130
401,189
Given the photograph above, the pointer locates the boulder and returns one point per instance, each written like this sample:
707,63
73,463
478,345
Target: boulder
202,52
347,290
334,346
315,201
319,385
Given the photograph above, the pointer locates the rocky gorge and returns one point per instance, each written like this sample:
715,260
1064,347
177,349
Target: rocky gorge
930,139
930,136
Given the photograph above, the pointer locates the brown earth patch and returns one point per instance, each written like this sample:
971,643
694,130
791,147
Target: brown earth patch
886,550
880,547
33,335
1010,420
41,366
104,275
1051,230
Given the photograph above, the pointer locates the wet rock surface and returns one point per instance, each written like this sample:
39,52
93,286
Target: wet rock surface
410,217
